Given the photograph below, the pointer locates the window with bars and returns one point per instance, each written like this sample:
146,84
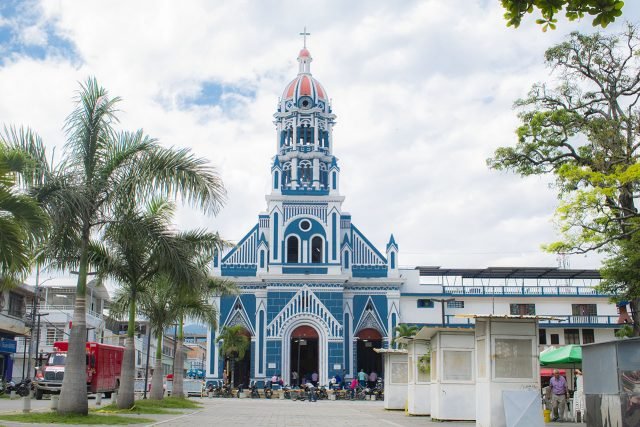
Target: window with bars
53,335
455,304
571,336
522,309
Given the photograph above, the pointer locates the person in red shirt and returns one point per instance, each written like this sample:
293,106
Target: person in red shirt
353,386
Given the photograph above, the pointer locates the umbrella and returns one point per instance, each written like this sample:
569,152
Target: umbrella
561,356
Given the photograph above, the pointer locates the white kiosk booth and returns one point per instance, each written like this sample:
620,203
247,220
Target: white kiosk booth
419,372
395,377
453,388
508,371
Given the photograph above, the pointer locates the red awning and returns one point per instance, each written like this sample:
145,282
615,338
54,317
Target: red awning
548,372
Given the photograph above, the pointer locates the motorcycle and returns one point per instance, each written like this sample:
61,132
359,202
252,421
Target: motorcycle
23,388
322,393
255,394
286,390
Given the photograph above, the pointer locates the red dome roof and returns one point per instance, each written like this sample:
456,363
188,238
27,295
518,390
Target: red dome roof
304,85
304,53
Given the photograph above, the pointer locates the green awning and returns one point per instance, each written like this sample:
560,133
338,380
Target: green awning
561,355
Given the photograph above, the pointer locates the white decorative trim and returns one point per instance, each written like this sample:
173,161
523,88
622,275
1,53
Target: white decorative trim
305,303
369,321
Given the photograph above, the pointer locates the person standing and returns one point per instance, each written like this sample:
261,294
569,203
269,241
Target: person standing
294,378
579,406
314,379
373,377
559,394
362,378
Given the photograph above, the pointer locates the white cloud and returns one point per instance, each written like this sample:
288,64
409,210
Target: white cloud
423,93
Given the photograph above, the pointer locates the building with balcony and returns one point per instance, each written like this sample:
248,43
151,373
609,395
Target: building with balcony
578,312
15,305
56,297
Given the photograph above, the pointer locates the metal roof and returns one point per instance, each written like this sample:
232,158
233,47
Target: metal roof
510,272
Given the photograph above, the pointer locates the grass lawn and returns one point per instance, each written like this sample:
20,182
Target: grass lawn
148,406
91,419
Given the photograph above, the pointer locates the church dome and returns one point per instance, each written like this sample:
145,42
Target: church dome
304,91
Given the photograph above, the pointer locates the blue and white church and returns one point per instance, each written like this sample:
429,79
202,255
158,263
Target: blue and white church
315,294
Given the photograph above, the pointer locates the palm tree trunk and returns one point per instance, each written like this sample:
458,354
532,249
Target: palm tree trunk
126,397
157,391
178,371
233,372
73,396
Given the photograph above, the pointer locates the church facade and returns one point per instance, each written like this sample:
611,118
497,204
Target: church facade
316,296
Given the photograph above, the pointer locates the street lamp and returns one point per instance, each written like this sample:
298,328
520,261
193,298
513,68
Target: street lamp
442,301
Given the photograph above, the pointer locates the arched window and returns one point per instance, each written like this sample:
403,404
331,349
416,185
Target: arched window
346,260
334,180
276,179
305,172
316,250
286,175
292,249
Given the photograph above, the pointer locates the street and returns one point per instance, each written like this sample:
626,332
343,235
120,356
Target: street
262,412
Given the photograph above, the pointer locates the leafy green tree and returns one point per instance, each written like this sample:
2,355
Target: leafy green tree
23,223
605,11
584,132
103,168
134,250
621,273
404,330
235,344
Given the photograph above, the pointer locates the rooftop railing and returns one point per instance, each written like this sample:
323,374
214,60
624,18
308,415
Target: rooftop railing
561,320
521,290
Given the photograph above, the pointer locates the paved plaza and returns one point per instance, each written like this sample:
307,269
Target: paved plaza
262,412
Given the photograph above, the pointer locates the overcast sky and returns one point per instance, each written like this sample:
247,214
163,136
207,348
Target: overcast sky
423,92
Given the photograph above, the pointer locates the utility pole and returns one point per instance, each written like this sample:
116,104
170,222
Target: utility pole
39,315
146,372
442,301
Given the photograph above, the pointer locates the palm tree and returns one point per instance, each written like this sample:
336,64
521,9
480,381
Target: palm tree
235,344
191,307
22,222
164,302
137,248
403,330
103,169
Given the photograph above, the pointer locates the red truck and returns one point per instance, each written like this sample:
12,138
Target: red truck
104,363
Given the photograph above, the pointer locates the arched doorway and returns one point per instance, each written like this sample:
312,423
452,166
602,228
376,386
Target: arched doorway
241,367
304,353
369,360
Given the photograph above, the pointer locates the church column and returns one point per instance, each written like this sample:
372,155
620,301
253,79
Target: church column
213,351
261,335
316,173
294,173
295,134
316,143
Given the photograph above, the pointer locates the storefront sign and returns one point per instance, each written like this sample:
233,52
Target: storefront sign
8,346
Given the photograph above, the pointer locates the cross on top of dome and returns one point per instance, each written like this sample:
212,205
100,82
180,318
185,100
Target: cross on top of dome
304,35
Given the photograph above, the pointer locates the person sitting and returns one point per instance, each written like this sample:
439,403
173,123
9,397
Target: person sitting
332,382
